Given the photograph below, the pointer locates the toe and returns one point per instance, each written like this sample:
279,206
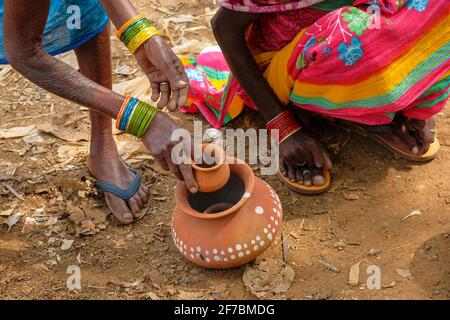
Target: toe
283,168
144,196
307,177
291,173
119,208
318,178
135,206
299,175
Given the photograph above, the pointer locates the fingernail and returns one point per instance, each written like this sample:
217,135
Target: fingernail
127,216
415,150
193,190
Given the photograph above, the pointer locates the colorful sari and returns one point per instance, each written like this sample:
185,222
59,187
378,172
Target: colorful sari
337,59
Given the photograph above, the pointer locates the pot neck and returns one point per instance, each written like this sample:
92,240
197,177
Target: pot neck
237,167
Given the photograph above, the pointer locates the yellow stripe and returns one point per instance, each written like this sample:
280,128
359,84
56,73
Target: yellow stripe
276,74
384,81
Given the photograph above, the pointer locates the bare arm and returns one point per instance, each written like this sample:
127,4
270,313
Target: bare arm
23,24
229,29
23,45
163,68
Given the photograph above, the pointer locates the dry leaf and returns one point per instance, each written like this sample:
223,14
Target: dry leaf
189,295
7,212
12,220
125,70
37,223
350,196
66,244
16,132
72,150
405,273
353,276
268,279
64,133
138,87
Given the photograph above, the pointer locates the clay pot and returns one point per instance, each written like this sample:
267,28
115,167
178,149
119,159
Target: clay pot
230,227
211,178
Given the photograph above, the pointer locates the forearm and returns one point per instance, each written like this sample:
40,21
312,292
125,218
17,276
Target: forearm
120,11
59,78
229,29
23,24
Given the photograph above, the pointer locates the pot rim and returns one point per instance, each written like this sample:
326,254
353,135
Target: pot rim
218,151
182,193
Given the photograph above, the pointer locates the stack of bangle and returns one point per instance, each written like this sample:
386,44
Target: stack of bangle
135,116
286,125
135,32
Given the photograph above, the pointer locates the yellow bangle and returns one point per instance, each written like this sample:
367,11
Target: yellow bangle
141,37
127,24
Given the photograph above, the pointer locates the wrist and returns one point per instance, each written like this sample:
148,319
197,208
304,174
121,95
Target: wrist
135,32
135,117
283,126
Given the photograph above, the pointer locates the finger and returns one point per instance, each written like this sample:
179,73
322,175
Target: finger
161,161
183,96
176,73
189,179
174,100
155,91
164,87
173,167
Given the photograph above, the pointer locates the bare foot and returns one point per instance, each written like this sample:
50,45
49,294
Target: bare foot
410,135
105,165
417,135
304,174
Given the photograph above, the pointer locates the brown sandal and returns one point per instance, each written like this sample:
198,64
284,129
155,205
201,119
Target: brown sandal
307,190
378,135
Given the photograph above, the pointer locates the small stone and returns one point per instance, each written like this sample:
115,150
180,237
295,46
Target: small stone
405,273
351,196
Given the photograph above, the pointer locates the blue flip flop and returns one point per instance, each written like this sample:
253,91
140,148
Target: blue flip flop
124,194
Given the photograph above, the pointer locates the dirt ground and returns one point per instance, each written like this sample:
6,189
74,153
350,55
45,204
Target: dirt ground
43,176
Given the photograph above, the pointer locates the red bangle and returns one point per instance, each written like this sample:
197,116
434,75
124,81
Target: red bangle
286,125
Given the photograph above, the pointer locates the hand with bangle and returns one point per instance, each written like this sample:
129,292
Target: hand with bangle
164,69
169,83
298,150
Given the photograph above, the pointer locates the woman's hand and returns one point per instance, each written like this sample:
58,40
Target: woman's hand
166,73
158,141
299,154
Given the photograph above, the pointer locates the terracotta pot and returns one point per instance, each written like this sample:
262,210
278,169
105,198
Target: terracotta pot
212,178
250,220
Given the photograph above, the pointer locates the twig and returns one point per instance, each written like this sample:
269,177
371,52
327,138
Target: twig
329,266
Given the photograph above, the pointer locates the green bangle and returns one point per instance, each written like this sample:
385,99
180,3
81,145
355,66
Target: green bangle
131,32
139,114
149,115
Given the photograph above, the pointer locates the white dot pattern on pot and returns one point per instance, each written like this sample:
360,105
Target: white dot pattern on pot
238,250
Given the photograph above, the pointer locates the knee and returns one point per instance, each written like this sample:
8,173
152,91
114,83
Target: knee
220,24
